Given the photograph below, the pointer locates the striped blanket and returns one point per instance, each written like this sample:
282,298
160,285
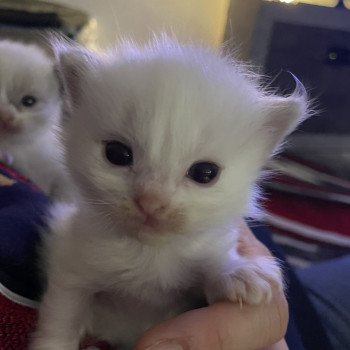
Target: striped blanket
308,210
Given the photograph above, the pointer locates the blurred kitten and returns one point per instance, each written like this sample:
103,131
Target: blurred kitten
30,111
165,144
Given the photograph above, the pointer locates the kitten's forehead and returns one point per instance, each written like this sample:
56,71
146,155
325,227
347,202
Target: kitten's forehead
173,110
24,67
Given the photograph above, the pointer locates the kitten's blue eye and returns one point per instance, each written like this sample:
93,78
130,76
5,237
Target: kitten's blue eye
28,101
203,172
118,154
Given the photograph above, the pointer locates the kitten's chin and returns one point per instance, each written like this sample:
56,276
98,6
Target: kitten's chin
154,226
151,222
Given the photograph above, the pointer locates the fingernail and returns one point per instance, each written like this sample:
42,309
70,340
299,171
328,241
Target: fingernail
166,345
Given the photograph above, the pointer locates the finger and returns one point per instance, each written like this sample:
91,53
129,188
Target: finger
221,326
248,244
281,345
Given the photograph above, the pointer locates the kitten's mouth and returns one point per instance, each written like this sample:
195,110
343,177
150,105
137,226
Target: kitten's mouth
151,221
173,222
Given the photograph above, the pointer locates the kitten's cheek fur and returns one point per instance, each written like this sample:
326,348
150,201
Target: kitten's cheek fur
52,345
251,281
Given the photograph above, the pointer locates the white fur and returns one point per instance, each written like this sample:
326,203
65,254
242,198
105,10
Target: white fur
113,276
33,148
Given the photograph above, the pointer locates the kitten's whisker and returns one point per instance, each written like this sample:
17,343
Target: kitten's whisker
96,201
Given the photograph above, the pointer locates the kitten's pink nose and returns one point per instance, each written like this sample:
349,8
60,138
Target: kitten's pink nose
7,120
150,203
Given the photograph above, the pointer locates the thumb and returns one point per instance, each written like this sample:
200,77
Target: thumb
221,326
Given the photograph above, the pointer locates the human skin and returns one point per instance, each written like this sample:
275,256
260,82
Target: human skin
225,325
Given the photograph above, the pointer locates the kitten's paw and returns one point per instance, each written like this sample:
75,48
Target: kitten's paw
252,282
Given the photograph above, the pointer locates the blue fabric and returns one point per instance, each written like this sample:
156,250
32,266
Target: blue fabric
305,329
328,287
22,212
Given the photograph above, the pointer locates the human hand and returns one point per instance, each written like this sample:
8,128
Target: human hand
225,325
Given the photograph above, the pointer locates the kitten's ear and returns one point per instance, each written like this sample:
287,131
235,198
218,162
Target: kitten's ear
73,62
284,114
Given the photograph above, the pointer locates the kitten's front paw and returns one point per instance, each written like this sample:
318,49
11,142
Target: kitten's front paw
252,282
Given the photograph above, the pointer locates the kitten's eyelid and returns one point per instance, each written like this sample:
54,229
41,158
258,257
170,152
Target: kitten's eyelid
208,160
108,136
195,184
122,140
207,185
15,98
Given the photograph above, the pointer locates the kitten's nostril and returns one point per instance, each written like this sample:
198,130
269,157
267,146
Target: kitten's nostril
149,204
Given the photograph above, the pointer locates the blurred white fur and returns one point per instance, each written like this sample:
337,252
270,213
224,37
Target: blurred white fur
28,134
109,273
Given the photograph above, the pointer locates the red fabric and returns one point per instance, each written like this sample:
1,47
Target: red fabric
16,323
324,215
307,188
17,176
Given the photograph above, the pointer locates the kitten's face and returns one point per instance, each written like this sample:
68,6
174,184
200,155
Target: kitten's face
167,145
29,96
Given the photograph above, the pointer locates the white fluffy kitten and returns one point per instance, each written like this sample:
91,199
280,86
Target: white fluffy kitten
165,145
30,109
